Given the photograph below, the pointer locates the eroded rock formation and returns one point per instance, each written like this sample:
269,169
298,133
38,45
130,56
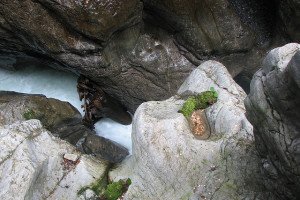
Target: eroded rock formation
138,51
168,162
273,107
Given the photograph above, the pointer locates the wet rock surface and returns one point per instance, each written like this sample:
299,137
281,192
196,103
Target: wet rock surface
136,51
62,119
273,107
104,148
168,162
51,112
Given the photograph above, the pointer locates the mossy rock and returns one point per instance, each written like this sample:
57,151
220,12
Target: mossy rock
115,190
200,101
111,191
30,114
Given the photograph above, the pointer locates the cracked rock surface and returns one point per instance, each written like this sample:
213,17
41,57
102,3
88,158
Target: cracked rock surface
169,163
273,107
32,164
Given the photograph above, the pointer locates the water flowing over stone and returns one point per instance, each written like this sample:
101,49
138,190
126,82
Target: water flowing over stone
59,85
62,119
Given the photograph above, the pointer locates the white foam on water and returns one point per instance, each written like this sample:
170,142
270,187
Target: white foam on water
60,85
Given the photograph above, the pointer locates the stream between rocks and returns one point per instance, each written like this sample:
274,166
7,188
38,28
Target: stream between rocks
62,86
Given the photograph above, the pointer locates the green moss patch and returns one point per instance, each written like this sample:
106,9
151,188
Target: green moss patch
29,114
115,190
200,101
111,191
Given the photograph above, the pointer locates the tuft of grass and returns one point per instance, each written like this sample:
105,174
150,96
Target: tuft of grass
115,190
29,114
200,101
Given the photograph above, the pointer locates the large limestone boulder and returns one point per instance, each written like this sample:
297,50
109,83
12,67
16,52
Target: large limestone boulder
273,107
169,163
36,165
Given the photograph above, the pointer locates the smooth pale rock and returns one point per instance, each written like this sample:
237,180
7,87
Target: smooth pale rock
89,195
169,163
32,164
71,157
273,107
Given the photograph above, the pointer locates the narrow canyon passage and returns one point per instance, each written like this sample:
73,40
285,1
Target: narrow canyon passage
60,85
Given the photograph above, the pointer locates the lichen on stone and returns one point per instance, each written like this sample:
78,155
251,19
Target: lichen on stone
200,101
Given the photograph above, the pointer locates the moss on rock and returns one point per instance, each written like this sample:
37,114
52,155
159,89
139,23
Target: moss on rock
111,191
29,114
188,107
115,189
200,101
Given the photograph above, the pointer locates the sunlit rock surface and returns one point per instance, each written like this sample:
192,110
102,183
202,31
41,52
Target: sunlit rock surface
169,163
273,107
32,164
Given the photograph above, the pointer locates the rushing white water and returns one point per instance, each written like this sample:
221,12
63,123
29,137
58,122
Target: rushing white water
60,85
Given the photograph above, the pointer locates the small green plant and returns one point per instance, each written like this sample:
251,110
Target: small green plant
111,191
200,101
29,114
115,189
188,107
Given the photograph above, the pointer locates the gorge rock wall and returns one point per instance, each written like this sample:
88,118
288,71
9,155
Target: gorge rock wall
273,107
137,51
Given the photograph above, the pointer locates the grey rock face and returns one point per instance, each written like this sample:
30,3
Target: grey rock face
104,148
104,41
223,30
169,163
273,107
136,54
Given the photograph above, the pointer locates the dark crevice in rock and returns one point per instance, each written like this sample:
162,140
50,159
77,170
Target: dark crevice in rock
261,16
98,104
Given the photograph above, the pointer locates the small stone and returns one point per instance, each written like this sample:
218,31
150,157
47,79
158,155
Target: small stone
199,125
90,194
71,157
